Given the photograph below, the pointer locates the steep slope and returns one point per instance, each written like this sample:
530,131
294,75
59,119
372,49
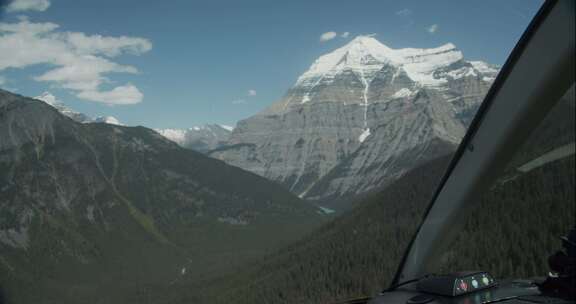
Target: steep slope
201,139
97,213
354,112
511,232
357,255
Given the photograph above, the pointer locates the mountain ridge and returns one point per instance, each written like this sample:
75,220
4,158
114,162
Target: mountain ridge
51,100
199,138
366,96
104,209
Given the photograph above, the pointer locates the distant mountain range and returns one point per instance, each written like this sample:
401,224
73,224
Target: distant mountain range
105,209
203,138
360,117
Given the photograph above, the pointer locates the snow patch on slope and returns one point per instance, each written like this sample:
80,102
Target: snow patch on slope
324,210
484,67
176,135
404,92
364,135
228,128
306,98
420,64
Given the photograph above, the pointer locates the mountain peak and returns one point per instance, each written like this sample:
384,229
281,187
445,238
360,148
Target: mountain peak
365,55
362,47
366,41
359,52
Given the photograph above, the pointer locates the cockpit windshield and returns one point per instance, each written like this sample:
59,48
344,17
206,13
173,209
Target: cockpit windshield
255,151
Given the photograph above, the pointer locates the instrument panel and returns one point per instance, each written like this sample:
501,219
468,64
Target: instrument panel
456,284
508,292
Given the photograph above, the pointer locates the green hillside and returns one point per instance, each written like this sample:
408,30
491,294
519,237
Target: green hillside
96,213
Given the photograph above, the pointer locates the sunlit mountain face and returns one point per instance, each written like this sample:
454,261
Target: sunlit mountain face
360,117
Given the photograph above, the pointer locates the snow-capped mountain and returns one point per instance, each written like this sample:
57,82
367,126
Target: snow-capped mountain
360,117
202,138
50,99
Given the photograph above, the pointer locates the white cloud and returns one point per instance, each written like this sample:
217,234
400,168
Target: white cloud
345,34
121,95
327,36
252,92
107,46
76,61
238,101
432,29
404,12
28,5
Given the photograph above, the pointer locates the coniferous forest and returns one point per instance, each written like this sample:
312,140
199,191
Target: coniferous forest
511,233
512,230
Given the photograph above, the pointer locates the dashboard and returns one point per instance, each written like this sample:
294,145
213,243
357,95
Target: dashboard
456,284
511,292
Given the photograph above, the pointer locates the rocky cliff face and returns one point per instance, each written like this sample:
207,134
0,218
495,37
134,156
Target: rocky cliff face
360,117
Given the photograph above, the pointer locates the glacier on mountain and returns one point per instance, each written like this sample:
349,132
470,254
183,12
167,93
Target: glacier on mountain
365,55
360,117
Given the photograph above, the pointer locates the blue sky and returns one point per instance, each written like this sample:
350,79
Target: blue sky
197,61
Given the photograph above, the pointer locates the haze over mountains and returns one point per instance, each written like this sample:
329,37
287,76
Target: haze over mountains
360,117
